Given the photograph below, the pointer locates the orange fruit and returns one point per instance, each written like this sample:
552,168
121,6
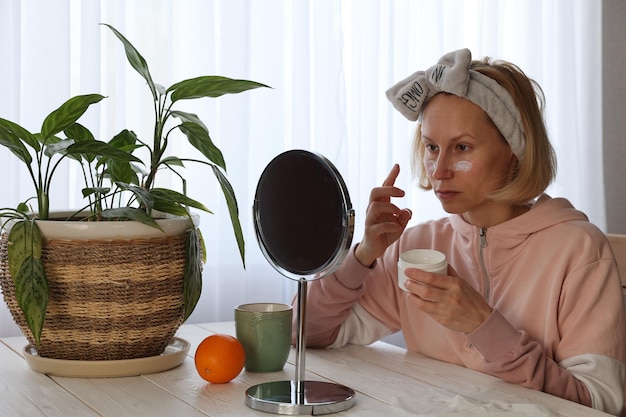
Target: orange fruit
219,358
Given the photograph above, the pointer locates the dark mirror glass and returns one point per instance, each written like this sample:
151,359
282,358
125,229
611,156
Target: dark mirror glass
303,217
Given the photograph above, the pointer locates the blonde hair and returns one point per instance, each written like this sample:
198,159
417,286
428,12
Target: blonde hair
537,168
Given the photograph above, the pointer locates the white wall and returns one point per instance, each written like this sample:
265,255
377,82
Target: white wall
614,112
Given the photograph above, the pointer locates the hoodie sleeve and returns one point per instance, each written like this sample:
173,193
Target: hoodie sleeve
330,301
586,364
509,354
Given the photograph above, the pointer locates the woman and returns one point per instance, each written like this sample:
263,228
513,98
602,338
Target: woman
533,294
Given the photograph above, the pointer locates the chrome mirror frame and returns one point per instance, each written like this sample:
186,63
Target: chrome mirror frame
300,195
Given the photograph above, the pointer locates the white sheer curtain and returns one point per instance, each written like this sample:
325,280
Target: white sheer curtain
328,63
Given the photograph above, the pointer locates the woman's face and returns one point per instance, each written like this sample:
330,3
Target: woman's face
466,159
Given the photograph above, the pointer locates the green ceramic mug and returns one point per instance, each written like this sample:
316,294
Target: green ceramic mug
264,330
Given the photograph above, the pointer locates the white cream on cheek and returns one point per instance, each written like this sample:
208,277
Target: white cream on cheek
460,166
463,166
431,166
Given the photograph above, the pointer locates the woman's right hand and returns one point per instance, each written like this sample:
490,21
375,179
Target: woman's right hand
384,221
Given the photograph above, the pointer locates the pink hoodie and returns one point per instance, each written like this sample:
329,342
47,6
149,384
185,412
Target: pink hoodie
558,323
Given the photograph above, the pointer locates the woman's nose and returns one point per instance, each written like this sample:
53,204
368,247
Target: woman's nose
441,169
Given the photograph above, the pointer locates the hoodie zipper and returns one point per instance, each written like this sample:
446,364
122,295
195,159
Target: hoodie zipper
482,246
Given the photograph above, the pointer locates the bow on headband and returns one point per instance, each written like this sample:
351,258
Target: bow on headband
452,74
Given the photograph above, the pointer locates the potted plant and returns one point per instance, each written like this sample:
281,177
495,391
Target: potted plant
119,190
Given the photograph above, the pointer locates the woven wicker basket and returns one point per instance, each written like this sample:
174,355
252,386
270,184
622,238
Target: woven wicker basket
108,300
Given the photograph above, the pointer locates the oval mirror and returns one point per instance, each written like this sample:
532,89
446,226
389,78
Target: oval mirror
303,216
304,223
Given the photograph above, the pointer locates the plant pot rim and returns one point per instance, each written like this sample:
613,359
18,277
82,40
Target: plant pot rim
111,230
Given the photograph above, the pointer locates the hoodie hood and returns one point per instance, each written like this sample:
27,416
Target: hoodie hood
545,212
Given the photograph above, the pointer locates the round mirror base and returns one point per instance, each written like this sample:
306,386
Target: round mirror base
315,397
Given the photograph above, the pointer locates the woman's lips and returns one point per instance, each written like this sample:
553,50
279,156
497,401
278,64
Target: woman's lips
446,194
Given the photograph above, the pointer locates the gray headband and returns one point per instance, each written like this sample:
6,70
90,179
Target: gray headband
452,75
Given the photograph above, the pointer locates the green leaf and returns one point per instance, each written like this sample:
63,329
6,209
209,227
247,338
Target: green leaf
163,194
121,170
233,210
47,141
202,245
188,117
87,191
58,147
31,292
27,271
79,133
160,89
67,114
15,145
172,160
136,60
210,86
101,149
143,196
20,133
192,280
199,138
126,140
130,213
24,241
169,207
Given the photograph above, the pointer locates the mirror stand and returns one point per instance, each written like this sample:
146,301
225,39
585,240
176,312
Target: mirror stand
304,223
298,397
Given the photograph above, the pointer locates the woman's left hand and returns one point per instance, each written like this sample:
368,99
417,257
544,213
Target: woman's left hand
449,300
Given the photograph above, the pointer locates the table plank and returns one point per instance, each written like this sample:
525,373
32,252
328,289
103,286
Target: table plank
472,384
24,392
16,343
127,397
431,381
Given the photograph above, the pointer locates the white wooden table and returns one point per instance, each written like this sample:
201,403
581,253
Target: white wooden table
388,382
